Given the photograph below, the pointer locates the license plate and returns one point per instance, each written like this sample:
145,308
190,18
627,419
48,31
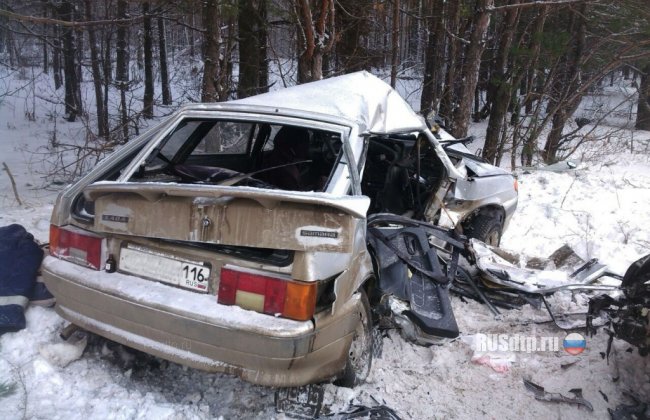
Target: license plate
193,275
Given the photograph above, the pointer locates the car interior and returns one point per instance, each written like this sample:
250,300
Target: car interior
254,154
401,173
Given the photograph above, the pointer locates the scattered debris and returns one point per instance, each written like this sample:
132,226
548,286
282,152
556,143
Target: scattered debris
542,395
379,412
629,315
301,402
306,402
636,411
565,366
508,273
605,397
499,361
418,265
567,165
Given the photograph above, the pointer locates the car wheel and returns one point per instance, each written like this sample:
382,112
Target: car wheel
485,228
359,360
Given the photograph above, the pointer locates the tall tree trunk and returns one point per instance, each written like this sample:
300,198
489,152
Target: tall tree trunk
470,68
448,100
107,65
566,85
191,33
395,39
353,24
122,65
46,30
71,83
643,108
263,36
164,73
534,47
432,57
252,47
97,75
315,38
147,101
56,58
224,81
79,56
501,86
211,41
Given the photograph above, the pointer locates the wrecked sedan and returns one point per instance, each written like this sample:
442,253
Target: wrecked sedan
232,237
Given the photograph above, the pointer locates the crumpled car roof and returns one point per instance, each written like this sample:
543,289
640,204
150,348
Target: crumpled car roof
361,97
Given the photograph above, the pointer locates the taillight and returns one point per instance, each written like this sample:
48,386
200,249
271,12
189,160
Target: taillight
270,295
516,185
76,245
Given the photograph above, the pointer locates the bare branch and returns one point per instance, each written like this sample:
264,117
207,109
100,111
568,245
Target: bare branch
452,35
13,183
50,21
533,4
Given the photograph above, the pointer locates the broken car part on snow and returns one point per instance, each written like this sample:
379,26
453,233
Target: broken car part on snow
543,395
419,264
628,315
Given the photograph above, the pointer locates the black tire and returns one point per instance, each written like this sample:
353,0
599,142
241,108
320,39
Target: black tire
486,228
360,354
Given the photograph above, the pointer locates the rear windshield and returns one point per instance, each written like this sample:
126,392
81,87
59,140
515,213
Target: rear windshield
262,155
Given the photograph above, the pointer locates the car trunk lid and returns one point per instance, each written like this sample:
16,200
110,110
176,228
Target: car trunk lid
238,216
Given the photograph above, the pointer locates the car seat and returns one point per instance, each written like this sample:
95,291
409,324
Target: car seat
291,144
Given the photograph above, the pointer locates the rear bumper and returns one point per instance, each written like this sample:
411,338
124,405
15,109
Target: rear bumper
194,330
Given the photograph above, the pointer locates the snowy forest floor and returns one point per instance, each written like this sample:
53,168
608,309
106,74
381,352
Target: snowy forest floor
600,210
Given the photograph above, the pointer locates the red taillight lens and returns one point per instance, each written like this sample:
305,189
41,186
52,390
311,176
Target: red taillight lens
76,245
271,295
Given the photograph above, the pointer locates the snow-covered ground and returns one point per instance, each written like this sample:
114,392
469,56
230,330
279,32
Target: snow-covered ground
600,209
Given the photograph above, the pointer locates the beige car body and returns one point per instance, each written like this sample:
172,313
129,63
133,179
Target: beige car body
166,218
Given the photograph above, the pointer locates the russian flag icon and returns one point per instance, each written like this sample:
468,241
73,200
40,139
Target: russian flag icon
574,343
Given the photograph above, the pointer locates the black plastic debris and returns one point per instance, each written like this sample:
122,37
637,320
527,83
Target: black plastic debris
410,269
543,395
637,411
306,402
380,412
605,397
303,402
627,315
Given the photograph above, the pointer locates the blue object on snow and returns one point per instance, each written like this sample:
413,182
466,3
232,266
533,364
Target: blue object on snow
20,259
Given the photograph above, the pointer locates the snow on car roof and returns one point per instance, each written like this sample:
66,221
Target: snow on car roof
360,97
